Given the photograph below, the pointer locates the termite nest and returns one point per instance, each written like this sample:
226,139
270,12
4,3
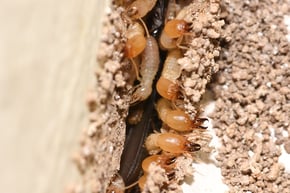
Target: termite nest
160,57
167,65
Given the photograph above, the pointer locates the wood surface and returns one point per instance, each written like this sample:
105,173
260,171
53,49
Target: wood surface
47,61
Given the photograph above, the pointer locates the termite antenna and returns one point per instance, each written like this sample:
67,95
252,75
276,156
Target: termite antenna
131,185
117,185
136,69
145,27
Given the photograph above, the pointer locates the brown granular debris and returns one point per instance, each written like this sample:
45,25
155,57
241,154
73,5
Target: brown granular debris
102,142
198,63
202,138
156,179
252,96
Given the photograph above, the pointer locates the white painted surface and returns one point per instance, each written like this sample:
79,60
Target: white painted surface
47,56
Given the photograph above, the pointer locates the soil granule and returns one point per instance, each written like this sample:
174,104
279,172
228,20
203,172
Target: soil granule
252,97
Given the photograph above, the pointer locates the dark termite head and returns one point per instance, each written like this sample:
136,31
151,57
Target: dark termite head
170,160
200,122
170,175
192,147
166,88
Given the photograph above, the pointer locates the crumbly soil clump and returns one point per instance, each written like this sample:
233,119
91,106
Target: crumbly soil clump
199,61
102,142
252,97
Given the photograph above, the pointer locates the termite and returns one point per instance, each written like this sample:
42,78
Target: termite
136,43
170,142
165,161
173,32
177,119
148,69
149,48
166,85
136,40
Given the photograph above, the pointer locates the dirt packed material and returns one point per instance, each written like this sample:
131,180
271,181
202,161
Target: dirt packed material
252,97
102,142
199,61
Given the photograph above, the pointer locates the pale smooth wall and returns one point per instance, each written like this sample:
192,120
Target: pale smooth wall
47,61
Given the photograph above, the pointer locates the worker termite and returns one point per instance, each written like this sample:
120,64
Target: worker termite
166,85
165,161
177,119
135,44
148,69
170,142
173,32
149,48
136,40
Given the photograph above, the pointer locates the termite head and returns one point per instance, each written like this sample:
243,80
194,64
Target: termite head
176,28
140,94
135,46
167,89
192,147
